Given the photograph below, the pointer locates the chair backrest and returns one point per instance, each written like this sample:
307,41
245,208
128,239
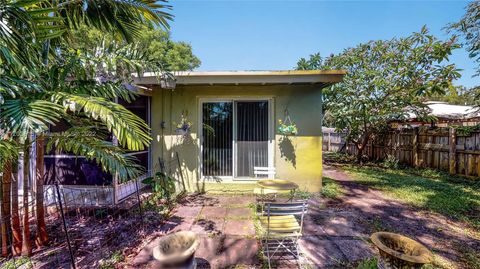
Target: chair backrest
295,208
260,171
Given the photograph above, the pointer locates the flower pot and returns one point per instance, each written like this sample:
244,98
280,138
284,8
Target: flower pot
177,250
400,252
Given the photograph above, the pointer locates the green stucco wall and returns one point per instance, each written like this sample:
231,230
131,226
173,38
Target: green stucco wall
297,158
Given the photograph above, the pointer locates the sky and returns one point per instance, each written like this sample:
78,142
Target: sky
274,35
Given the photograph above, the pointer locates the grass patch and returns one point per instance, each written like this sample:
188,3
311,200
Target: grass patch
448,195
370,263
110,263
23,262
330,188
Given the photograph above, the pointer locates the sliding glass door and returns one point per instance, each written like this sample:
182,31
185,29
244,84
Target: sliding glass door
235,138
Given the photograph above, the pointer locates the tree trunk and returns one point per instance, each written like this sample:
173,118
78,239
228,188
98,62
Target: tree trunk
26,244
42,235
16,230
5,227
361,146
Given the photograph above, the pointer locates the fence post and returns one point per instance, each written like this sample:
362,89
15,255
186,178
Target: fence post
65,226
453,151
415,147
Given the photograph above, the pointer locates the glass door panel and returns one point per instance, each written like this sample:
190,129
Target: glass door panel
251,136
217,144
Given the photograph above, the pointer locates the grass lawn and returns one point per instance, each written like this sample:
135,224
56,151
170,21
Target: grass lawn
330,188
428,189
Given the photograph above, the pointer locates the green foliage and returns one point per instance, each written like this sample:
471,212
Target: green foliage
85,141
287,128
385,80
153,44
110,263
21,262
44,81
468,27
162,185
390,162
370,263
466,130
458,95
439,192
8,151
330,188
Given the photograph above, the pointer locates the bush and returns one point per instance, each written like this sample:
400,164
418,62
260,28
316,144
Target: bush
391,162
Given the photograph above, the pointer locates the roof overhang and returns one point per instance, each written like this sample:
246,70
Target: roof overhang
321,77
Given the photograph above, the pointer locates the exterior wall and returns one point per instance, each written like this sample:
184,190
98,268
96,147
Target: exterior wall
297,158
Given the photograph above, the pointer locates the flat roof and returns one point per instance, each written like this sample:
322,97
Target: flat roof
321,77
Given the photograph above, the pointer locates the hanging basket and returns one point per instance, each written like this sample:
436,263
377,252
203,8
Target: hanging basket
287,126
183,129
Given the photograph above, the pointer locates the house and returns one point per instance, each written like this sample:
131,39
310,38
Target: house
442,114
220,125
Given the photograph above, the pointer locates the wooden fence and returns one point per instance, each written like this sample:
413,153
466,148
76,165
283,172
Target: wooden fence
441,148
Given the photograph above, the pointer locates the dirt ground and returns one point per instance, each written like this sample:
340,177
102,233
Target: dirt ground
336,232
447,238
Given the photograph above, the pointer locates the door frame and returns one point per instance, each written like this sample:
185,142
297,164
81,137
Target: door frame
233,99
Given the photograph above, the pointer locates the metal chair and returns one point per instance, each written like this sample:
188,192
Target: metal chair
282,224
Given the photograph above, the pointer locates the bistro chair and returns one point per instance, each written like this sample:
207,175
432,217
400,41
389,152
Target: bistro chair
282,226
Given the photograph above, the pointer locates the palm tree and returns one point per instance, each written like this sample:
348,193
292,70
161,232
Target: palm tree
37,93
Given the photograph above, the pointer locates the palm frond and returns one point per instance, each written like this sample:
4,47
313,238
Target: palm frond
120,16
21,116
8,151
12,87
130,130
82,141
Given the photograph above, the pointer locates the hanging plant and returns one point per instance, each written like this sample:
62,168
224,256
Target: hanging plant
287,126
184,126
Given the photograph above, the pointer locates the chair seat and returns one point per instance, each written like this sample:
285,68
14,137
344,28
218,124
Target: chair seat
281,226
260,191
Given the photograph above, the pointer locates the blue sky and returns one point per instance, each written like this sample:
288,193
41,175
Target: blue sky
273,35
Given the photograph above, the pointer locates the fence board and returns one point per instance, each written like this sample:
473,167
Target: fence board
422,148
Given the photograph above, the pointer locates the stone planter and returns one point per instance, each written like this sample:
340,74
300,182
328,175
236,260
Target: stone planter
177,250
400,252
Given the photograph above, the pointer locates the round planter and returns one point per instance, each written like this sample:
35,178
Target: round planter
400,252
177,250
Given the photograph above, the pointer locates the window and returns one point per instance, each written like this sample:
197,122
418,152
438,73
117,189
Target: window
235,137
77,170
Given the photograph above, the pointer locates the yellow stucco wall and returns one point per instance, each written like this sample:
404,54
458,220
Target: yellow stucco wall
297,158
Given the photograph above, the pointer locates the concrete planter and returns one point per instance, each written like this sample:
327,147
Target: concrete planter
400,252
177,250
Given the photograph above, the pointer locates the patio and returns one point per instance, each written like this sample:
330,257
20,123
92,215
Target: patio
225,225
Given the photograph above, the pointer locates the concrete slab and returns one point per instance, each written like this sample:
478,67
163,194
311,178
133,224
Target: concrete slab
239,227
208,226
187,211
239,213
355,250
213,212
321,252
337,225
236,201
233,251
176,224
310,227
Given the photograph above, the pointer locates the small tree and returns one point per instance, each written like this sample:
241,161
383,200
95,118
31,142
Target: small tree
469,27
385,80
